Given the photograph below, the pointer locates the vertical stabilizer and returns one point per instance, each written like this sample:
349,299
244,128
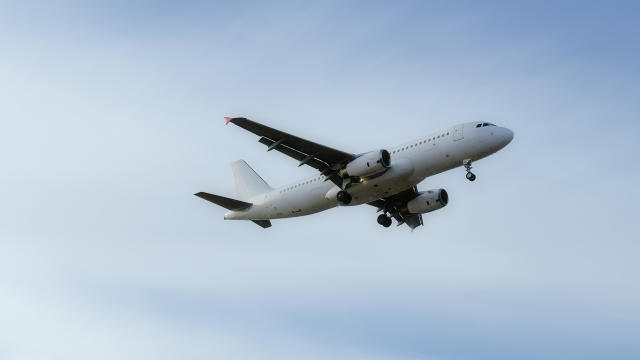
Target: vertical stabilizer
248,182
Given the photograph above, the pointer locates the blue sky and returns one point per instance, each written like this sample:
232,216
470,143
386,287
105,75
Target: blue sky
111,117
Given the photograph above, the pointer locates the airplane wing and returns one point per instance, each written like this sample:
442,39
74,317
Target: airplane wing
393,205
323,158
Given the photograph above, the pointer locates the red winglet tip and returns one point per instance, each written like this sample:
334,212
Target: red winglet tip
228,119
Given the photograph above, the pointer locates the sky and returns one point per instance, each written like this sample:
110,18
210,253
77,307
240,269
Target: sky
111,117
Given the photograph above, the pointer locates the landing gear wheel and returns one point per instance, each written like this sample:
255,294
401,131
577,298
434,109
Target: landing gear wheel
467,165
344,197
384,220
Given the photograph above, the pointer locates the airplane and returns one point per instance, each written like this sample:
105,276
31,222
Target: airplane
386,179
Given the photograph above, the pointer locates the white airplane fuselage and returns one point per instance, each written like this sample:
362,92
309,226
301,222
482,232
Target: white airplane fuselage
411,163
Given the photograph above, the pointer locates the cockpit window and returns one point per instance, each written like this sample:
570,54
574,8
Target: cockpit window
479,125
487,124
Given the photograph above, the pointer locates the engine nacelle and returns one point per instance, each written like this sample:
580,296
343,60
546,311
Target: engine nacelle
428,201
368,164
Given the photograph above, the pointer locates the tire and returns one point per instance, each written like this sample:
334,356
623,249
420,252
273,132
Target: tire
384,220
344,197
471,176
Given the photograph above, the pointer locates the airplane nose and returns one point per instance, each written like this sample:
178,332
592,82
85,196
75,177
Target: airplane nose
507,136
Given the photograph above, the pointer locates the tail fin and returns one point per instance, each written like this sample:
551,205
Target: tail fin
248,182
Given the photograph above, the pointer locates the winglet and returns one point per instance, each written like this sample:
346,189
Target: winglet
228,119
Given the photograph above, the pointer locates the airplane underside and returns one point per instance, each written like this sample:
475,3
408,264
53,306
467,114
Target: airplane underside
384,179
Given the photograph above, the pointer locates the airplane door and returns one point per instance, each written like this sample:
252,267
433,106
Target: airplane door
458,133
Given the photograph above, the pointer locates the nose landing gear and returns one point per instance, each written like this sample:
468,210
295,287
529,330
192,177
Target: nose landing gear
467,165
384,220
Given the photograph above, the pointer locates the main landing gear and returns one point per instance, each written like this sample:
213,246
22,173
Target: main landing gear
344,197
467,165
384,220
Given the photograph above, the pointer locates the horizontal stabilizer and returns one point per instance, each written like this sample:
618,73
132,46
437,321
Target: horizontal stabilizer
229,204
264,223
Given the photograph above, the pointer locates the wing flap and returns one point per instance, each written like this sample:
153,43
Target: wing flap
300,156
413,220
285,143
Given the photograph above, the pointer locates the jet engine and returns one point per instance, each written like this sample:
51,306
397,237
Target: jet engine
428,201
368,164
